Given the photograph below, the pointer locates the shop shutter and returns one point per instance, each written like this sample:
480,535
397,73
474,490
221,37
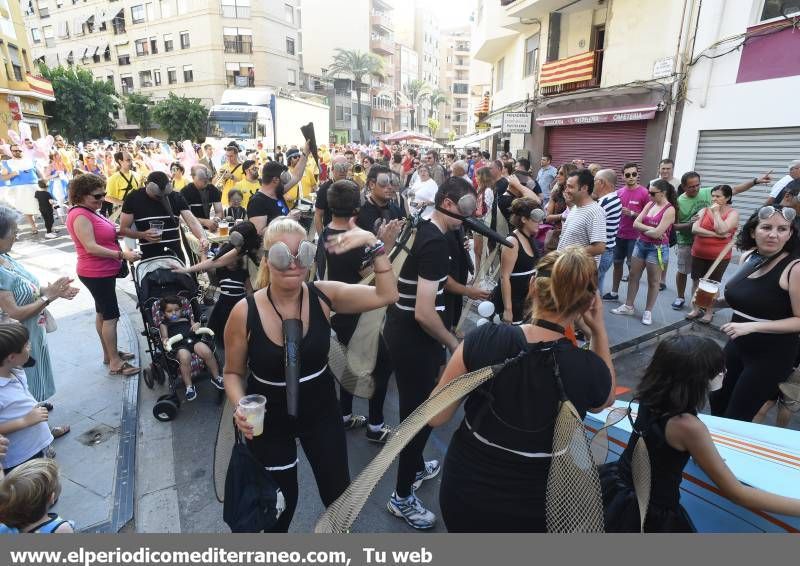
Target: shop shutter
611,145
732,156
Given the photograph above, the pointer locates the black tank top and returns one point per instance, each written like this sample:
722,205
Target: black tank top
762,297
265,359
666,463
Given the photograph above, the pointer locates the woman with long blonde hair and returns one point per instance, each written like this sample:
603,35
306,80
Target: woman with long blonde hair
495,473
289,319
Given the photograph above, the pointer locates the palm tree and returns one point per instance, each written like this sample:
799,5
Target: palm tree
415,92
356,64
436,99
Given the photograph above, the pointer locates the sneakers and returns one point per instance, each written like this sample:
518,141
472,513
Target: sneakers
354,421
380,436
219,382
678,303
624,278
432,469
191,393
624,309
51,236
611,296
647,318
412,510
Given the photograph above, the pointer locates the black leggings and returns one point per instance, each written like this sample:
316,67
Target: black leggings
45,209
383,369
755,365
417,359
324,444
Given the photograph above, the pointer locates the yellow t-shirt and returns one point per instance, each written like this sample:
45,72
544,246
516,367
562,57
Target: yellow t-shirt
238,175
118,185
248,188
308,183
178,184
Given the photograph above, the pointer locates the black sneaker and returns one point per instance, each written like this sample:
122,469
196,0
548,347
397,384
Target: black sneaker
219,382
611,296
380,436
355,421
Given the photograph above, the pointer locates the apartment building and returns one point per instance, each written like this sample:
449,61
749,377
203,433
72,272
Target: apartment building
406,71
455,79
740,116
195,48
364,26
600,76
22,91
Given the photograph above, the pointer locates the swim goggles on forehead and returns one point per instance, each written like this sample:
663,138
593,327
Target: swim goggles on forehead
281,258
767,212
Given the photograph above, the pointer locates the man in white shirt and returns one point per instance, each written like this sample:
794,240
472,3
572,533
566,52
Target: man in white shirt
666,172
794,173
585,225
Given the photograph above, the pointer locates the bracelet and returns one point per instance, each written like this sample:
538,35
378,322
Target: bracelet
755,181
375,249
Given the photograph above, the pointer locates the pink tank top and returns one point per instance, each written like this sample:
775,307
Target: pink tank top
105,234
654,221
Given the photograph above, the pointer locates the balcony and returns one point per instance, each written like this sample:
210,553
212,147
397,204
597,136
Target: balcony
382,46
381,22
462,49
573,73
382,113
490,37
238,45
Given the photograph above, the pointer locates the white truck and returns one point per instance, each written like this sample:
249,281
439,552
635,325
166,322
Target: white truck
250,115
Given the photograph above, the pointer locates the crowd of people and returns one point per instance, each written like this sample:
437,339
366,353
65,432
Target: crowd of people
557,231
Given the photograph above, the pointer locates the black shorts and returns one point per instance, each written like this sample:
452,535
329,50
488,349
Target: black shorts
104,293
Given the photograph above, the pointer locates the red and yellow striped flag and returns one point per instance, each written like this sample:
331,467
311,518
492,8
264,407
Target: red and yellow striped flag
570,70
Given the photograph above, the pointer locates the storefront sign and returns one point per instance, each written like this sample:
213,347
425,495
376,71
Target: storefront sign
31,107
517,122
611,116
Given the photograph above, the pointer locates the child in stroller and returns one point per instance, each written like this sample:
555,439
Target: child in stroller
181,336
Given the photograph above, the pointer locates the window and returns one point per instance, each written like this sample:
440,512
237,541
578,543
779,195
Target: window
772,9
142,47
172,75
166,8
292,77
123,60
44,10
235,8
168,43
16,64
188,75
531,55
36,35
460,88
290,45
151,12
499,72
153,45
185,40
288,11
240,74
157,77
118,23
146,78
137,14
127,83
238,40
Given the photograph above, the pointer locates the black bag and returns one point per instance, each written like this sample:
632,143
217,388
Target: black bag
253,501
124,270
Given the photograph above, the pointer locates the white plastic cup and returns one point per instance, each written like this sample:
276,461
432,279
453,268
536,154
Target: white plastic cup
253,407
158,226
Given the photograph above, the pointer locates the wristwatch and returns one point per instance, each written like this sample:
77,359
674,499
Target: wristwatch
45,300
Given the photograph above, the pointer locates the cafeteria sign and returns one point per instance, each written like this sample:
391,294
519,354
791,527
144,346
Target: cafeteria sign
517,122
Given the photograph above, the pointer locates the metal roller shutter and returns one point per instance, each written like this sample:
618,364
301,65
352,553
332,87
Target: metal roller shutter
611,145
732,156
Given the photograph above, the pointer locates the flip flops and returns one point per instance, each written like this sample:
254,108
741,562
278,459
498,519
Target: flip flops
125,369
59,431
124,356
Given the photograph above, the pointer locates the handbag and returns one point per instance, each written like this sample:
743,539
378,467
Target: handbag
124,270
50,324
253,500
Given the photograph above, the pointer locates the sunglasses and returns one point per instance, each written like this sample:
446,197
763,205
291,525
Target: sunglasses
98,196
767,212
629,175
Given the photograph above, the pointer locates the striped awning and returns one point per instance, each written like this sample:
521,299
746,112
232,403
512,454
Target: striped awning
570,70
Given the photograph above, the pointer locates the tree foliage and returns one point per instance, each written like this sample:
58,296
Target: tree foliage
437,98
356,64
139,110
83,105
415,92
181,117
433,126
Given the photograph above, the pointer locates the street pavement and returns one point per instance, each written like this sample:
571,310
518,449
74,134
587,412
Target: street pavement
171,487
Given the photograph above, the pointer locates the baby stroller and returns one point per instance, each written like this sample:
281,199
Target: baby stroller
154,279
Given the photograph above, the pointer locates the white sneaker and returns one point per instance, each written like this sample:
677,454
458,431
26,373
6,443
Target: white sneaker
50,235
412,510
624,309
647,318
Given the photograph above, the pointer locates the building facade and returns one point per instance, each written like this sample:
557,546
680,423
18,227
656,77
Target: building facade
455,80
194,48
600,77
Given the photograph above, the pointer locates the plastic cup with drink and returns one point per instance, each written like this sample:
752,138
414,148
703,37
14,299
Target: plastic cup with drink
707,291
253,407
222,230
158,226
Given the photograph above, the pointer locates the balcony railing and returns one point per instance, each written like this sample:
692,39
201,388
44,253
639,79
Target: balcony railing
238,46
571,74
383,113
382,46
381,21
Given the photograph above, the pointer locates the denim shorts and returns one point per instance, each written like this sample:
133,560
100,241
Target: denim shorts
623,250
649,252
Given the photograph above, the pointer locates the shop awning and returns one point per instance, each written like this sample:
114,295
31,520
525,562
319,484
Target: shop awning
623,114
473,139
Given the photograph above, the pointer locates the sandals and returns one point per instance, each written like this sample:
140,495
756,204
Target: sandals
706,320
690,316
355,421
125,369
124,356
59,431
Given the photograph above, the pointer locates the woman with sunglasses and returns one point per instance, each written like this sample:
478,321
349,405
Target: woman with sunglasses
765,298
651,251
256,340
99,261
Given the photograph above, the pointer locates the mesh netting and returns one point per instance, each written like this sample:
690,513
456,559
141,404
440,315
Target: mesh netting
222,449
342,513
486,279
640,468
599,444
573,502
358,384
